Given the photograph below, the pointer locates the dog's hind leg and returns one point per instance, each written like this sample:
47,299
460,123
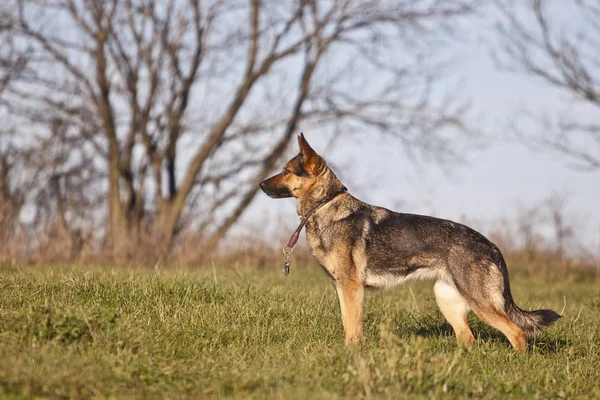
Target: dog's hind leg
455,309
351,295
499,320
485,296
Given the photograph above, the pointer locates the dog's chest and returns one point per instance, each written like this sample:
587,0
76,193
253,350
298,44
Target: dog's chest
321,247
318,242
340,255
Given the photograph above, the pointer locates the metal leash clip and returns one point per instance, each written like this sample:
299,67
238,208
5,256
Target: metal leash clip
287,251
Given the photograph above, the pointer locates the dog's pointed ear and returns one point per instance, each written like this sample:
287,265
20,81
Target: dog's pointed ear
305,148
309,158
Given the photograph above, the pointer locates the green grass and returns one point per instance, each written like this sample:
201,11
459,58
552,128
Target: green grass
82,333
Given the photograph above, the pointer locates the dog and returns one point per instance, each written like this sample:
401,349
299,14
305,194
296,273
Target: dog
361,245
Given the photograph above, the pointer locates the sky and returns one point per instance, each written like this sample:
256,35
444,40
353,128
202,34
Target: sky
493,182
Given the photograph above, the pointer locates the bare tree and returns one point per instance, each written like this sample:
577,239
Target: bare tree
11,197
535,44
13,58
190,104
563,224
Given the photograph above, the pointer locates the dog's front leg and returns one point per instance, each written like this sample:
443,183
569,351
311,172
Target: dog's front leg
351,296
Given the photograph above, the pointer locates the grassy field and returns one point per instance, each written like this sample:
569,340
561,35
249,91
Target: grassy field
98,333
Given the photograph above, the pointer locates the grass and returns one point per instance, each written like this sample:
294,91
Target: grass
83,333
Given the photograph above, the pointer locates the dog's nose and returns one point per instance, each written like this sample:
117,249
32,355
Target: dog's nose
262,185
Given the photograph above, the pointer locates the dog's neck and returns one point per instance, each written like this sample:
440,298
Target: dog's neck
329,187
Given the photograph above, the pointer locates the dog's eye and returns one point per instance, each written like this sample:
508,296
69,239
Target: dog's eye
286,171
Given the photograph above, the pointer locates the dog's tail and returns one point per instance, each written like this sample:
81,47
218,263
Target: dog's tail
531,322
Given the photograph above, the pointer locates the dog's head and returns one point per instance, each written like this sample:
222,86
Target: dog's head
298,175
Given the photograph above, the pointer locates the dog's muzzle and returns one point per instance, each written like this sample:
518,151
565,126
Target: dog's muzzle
275,191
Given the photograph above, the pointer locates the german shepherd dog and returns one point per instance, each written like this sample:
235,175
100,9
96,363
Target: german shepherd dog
361,245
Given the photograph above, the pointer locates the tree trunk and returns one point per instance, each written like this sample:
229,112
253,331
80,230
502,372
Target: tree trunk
165,227
117,221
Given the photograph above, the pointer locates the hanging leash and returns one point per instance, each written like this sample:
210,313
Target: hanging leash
288,249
